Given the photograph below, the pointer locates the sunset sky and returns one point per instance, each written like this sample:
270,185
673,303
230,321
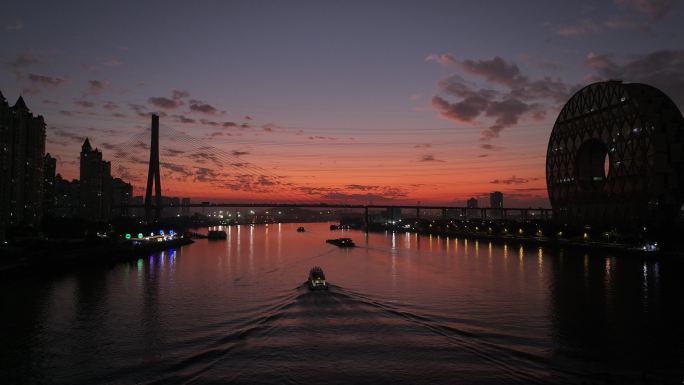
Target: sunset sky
328,101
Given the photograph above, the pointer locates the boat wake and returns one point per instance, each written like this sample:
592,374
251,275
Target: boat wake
316,336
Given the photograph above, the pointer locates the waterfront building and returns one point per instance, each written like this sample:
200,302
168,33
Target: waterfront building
496,200
496,203
472,211
173,206
122,195
615,157
22,157
393,214
66,197
471,203
95,184
140,202
185,210
50,165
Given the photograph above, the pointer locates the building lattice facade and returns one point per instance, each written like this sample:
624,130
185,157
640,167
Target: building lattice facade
616,157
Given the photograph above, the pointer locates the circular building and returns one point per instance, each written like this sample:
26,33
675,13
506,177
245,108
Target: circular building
616,157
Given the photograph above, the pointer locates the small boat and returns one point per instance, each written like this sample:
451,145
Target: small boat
301,229
341,242
334,227
217,234
316,279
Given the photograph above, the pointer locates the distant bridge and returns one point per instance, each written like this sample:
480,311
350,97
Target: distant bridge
491,213
154,205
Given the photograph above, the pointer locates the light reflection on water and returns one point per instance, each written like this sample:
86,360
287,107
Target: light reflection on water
402,307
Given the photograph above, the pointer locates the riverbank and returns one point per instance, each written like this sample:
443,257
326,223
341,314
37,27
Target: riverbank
542,241
61,254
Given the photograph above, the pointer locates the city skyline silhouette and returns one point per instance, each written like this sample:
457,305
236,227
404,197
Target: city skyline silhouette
405,114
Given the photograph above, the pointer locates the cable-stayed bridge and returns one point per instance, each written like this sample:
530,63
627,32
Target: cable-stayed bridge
154,205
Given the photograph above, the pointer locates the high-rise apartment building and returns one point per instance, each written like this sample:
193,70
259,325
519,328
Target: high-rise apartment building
122,194
22,157
496,200
95,184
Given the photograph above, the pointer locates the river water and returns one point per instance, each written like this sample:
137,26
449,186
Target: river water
402,309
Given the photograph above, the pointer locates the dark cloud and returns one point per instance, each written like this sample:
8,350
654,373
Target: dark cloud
247,117
489,146
655,9
229,124
239,153
202,107
142,111
23,60
253,183
180,94
662,69
176,168
512,180
95,87
183,119
49,81
52,140
266,181
164,102
141,145
545,88
506,113
425,145
210,123
463,111
175,101
109,146
361,187
496,70
368,193
203,174
355,197
121,154
514,95
69,113
172,152
84,103
62,133
41,82
271,127
204,157
429,158
125,173
110,106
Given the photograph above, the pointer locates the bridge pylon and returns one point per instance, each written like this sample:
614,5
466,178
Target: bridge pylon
153,175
